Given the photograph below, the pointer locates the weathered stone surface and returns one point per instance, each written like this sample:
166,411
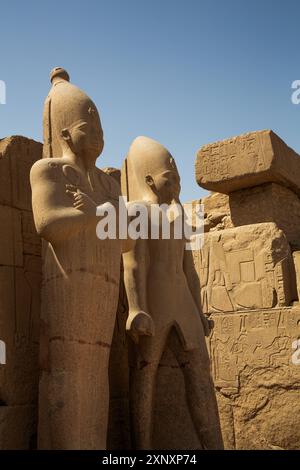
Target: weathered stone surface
216,202
18,427
11,242
216,212
268,203
257,383
31,241
247,160
19,327
252,347
17,155
296,258
173,426
242,268
20,284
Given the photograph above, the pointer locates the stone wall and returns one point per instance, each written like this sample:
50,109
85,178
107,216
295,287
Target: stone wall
248,283
20,279
256,382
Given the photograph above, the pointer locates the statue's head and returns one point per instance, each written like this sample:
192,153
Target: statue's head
71,120
154,170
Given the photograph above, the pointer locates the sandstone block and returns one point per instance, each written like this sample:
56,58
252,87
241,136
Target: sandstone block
19,329
17,155
245,268
11,243
268,203
20,280
31,241
247,160
257,382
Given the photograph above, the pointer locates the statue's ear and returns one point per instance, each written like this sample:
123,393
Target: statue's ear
65,134
149,180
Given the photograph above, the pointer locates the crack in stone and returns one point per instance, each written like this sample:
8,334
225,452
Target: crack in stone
80,341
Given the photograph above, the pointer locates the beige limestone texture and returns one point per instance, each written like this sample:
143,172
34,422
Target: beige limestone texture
80,272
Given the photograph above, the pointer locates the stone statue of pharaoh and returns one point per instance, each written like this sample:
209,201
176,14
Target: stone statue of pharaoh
161,305
80,272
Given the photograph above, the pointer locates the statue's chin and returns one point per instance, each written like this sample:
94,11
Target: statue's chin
95,150
91,153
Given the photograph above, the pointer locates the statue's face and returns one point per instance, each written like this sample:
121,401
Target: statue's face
87,136
167,185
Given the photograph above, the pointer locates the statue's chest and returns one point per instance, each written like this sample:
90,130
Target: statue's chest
94,184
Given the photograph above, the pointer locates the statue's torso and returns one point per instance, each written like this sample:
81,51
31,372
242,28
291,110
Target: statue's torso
81,272
83,250
170,300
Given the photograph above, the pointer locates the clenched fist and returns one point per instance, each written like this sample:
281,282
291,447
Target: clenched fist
139,324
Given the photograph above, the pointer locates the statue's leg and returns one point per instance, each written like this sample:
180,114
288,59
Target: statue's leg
95,398
200,392
143,372
81,319
79,395
44,437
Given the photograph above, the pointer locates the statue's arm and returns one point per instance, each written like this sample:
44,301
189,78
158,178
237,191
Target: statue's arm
54,219
136,265
135,276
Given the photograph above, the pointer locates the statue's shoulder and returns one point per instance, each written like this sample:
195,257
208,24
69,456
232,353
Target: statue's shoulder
46,168
110,183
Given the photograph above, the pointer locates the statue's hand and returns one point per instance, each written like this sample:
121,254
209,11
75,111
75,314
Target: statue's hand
139,324
207,324
82,201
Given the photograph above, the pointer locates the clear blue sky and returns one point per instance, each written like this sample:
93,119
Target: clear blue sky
185,72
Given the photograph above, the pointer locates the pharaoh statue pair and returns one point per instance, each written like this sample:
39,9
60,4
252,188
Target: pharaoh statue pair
81,276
